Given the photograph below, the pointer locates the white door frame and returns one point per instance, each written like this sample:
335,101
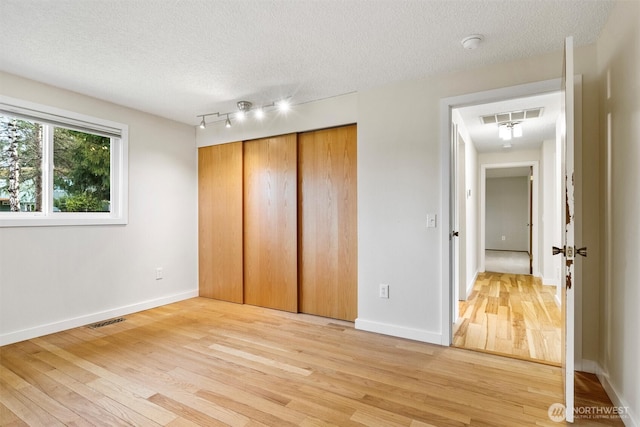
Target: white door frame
446,107
534,215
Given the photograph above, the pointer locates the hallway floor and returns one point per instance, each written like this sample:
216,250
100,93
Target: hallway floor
513,315
515,262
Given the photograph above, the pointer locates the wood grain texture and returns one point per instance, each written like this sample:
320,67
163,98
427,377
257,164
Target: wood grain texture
220,222
328,222
511,314
205,362
270,223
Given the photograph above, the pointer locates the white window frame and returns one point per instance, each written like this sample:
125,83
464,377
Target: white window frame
119,135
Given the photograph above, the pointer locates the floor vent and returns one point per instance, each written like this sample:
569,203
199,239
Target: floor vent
107,323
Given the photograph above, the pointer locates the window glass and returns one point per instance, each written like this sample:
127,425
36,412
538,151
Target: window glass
21,179
81,171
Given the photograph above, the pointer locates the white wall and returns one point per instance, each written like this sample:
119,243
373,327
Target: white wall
618,57
53,278
507,213
519,156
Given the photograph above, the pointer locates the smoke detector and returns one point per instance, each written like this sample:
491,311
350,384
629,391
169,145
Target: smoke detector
471,42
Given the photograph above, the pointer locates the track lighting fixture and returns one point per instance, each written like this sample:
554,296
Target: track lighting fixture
245,108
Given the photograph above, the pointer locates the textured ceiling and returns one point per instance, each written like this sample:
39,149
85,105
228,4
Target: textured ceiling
178,58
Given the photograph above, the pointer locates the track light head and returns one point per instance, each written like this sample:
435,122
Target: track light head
244,106
227,123
283,105
203,124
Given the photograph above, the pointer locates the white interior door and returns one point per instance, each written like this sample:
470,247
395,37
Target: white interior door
461,227
568,219
455,224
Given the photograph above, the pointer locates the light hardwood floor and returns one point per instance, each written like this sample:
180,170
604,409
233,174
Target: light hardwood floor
511,314
209,363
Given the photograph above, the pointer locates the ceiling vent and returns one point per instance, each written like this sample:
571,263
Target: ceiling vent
512,116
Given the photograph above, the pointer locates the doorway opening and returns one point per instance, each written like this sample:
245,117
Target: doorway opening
504,288
510,209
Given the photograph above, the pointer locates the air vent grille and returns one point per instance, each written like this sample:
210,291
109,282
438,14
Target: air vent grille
532,114
107,323
512,116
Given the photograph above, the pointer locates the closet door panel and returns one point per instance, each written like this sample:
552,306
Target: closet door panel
270,223
220,222
328,222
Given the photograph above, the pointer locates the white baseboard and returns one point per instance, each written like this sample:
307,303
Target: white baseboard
50,328
630,419
399,331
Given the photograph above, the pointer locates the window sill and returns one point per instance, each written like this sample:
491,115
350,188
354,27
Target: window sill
66,220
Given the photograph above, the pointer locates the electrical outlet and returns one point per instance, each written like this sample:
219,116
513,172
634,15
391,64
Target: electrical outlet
384,290
504,238
159,273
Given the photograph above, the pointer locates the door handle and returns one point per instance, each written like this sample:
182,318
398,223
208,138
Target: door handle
454,234
578,251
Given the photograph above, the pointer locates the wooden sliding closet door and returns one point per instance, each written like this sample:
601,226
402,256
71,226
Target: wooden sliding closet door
270,223
220,221
328,223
